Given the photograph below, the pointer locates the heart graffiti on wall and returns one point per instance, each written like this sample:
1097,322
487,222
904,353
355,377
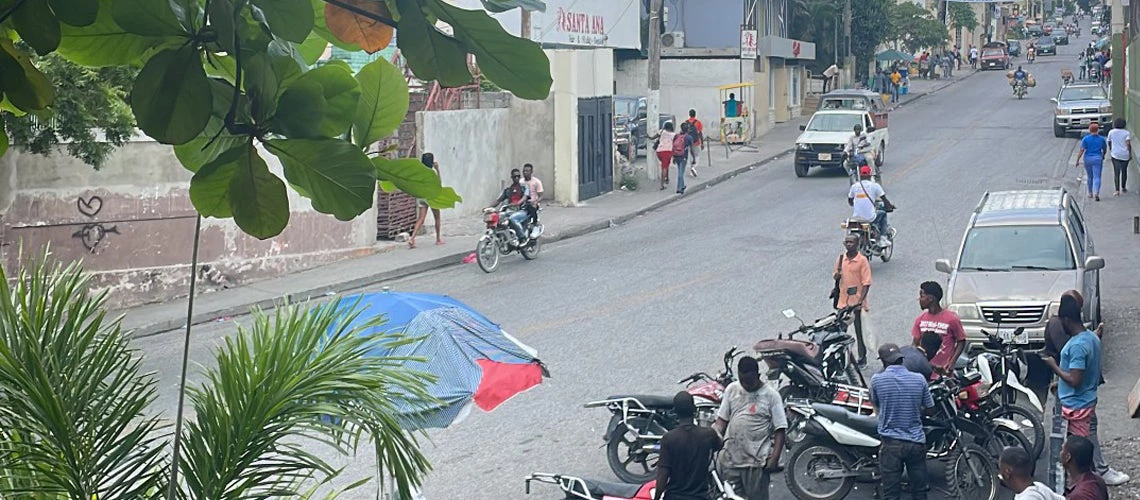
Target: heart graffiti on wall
91,235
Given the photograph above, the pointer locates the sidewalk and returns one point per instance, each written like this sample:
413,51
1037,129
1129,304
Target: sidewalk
393,260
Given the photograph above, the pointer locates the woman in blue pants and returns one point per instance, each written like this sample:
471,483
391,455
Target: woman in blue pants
1093,148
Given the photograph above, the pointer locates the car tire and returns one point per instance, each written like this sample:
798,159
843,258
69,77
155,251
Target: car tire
881,155
801,169
1058,131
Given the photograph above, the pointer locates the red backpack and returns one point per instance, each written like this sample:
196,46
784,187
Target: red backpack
679,145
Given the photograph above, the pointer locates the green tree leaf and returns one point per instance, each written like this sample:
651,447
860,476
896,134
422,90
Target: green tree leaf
300,111
513,63
3,139
75,12
147,17
341,93
289,19
497,6
430,54
383,102
205,148
23,84
172,98
37,25
260,84
408,175
259,200
253,38
104,43
335,174
313,48
210,186
447,198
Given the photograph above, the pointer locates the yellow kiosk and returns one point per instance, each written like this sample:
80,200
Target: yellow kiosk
735,120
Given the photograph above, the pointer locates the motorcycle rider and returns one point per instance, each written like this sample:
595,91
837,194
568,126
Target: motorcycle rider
535,187
1030,54
1019,78
686,454
858,145
515,195
900,397
864,197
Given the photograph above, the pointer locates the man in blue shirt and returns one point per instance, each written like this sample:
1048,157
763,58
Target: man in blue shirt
731,106
900,396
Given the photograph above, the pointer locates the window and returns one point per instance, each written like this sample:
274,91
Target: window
1017,248
794,86
833,122
1078,233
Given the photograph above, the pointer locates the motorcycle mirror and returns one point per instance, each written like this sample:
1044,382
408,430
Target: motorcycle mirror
789,313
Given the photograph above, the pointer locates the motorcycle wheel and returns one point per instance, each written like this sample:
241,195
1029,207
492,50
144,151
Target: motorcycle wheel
624,454
888,252
971,474
487,254
1003,438
806,458
1031,426
530,251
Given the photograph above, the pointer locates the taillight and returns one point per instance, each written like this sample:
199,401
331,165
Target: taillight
493,219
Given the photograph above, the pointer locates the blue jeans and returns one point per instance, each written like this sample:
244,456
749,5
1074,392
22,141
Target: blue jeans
516,220
680,161
1093,166
881,223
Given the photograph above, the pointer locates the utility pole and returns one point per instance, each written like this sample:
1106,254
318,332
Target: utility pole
1117,70
849,60
524,29
653,104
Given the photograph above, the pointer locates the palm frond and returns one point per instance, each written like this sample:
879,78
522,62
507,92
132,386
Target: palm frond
73,400
300,378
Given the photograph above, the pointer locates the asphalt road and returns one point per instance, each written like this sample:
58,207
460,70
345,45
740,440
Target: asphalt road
637,307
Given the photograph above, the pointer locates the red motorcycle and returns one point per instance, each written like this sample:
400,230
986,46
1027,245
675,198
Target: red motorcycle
576,487
639,421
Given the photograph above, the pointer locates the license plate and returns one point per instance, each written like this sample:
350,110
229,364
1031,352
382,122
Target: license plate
1006,335
1084,122
825,157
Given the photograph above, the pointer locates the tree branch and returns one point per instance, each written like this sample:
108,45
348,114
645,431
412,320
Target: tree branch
363,13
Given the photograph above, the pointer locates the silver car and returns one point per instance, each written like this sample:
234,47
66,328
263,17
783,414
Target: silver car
1078,105
1021,251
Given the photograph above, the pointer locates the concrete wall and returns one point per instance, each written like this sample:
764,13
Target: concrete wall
132,224
473,148
685,83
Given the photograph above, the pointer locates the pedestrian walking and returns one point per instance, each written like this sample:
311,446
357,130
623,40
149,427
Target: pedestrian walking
957,58
1077,458
829,76
682,150
973,57
896,82
1016,469
1079,372
422,207
697,130
1120,147
664,149
852,273
899,397
1093,148
686,454
752,420
942,322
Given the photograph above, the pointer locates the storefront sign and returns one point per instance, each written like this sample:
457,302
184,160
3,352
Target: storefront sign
578,23
786,48
748,42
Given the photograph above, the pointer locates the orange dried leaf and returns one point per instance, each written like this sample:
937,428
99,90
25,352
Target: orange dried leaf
372,36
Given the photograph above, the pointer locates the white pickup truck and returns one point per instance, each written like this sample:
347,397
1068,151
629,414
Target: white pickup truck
826,133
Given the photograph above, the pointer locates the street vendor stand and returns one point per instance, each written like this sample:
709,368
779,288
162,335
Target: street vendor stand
735,120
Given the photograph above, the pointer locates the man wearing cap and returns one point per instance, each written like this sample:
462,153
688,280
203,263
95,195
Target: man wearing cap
900,396
863,198
686,455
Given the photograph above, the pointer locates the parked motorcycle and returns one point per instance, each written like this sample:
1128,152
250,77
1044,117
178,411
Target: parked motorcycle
500,239
992,430
809,364
868,233
575,487
639,421
839,447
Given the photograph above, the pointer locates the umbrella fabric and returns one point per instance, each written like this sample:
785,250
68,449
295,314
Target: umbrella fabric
474,360
893,55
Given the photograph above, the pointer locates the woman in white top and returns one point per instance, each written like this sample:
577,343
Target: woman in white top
1120,148
665,151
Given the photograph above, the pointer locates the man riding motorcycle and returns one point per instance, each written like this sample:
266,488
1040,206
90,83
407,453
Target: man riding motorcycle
515,195
858,145
1019,79
1030,54
870,204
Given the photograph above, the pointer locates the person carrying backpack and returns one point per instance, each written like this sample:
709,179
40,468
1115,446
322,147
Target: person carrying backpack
663,146
682,149
697,130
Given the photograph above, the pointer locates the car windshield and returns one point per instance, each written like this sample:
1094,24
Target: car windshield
1083,93
1016,248
992,53
1014,44
1045,41
834,122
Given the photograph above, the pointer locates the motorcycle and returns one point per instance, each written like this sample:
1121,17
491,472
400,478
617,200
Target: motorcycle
499,238
837,447
992,429
852,168
868,233
639,421
809,364
1020,89
576,487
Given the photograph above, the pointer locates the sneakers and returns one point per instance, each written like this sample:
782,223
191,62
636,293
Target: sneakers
1115,478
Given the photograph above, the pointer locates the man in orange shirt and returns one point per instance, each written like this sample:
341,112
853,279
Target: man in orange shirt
854,274
697,130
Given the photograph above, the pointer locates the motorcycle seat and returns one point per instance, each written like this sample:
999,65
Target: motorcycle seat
648,400
805,349
866,424
600,489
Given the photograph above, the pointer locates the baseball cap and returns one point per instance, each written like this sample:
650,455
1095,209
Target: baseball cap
865,170
890,353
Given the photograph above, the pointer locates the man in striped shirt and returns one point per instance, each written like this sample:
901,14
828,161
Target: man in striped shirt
900,396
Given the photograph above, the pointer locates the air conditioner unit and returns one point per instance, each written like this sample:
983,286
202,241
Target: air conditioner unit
673,40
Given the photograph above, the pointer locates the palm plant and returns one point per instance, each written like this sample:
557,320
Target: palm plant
73,401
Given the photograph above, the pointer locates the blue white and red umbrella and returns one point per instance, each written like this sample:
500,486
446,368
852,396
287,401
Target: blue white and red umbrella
476,363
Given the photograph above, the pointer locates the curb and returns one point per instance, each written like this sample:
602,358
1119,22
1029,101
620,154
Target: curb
160,327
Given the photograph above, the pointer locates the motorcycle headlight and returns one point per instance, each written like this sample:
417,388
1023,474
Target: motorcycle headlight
966,311
803,147
1107,108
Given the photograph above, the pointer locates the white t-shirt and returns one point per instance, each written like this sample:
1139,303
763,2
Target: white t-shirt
1118,140
1038,491
666,140
864,193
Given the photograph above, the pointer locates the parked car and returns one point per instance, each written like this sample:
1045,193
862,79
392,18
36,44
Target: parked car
826,134
1013,47
994,58
632,112
1045,45
1020,252
1035,31
1079,104
1061,37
